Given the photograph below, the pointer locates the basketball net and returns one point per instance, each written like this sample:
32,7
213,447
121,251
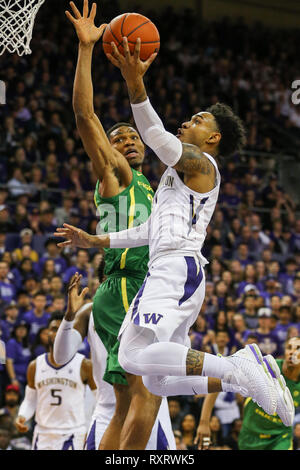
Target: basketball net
16,24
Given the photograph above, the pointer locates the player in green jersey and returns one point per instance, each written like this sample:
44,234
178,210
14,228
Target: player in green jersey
261,431
264,432
123,197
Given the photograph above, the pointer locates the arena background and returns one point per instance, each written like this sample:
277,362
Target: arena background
244,53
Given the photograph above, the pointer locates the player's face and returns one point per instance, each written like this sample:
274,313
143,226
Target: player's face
292,352
128,142
201,130
52,330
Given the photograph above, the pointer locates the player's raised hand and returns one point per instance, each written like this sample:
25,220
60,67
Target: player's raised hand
131,66
88,33
76,299
75,237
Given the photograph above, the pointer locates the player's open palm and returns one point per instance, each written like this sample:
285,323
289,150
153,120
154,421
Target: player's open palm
84,24
76,299
75,237
131,66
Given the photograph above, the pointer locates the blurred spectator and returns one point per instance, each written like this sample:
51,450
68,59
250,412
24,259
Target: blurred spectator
232,439
180,445
176,412
37,316
81,266
11,401
53,253
267,338
7,290
296,437
188,431
221,344
10,320
284,323
18,356
216,431
6,437
240,330
227,410
26,239
40,344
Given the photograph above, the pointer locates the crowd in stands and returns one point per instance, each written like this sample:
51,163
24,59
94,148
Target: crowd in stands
46,179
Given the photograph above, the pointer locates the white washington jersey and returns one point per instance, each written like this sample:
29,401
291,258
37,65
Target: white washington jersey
60,396
180,216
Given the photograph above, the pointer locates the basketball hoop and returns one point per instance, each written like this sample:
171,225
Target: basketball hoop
16,24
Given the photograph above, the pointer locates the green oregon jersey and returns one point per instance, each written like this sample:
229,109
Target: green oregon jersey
128,209
256,420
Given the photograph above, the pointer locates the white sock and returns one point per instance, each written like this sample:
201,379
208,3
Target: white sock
215,366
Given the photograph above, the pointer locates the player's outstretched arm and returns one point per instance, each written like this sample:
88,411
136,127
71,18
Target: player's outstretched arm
105,159
185,158
28,405
133,237
166,146
79,238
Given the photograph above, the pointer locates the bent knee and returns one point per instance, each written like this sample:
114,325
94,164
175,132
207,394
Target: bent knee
154,384
128,362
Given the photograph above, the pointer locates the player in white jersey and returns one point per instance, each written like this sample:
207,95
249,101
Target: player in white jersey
154,334
69,337
55,395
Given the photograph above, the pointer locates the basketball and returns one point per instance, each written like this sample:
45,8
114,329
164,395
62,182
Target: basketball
133,26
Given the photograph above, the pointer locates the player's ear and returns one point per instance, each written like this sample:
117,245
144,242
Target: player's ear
214,138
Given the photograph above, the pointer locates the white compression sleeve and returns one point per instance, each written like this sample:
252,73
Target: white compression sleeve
28,405
136,236
166,146
67,342
171,386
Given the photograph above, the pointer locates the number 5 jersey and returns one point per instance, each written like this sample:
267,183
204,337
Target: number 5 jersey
60,396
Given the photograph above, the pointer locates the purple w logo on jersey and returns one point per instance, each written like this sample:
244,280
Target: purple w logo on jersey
152,318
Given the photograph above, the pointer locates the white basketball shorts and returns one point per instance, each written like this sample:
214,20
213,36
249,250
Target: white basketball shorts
54,441
169,299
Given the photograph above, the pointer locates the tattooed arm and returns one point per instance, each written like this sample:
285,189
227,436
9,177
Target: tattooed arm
199,172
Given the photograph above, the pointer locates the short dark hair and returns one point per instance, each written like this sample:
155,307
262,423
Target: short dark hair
117,125
57,315
231,128
39,293
59,296
253,336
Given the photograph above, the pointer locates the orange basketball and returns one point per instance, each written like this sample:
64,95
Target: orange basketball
133,26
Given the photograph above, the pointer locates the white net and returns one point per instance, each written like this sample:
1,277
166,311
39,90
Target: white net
16,24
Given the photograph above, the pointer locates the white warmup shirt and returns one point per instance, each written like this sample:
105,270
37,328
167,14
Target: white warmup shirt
60,396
